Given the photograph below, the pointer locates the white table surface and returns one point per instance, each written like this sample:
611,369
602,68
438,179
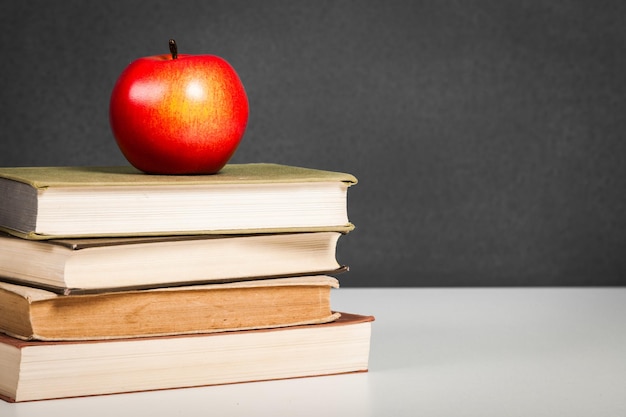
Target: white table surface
435,352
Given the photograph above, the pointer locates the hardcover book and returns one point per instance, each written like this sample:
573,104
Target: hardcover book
30,313
96,264
47,202
45,370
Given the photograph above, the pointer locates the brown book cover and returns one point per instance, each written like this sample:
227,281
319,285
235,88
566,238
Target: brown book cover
89,368
75,266
31,313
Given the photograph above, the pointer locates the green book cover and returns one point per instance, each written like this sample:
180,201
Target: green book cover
256,173
71,202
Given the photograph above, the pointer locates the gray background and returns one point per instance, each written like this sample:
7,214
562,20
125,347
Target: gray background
488,136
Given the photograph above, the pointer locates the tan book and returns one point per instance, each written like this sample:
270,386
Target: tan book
45,370
96,264
47,202
31,313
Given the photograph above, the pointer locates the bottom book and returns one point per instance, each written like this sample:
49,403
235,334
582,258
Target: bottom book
35,370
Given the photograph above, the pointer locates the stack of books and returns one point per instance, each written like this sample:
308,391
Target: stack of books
114,281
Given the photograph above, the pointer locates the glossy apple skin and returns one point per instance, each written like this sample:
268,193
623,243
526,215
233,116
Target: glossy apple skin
178,116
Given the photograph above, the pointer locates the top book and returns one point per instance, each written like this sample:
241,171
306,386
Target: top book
52,202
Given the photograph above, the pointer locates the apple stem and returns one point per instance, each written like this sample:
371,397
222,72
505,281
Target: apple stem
173,49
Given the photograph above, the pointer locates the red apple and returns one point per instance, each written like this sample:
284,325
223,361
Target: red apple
178,114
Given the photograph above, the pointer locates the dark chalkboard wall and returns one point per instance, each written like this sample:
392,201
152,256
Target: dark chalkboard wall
489,137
